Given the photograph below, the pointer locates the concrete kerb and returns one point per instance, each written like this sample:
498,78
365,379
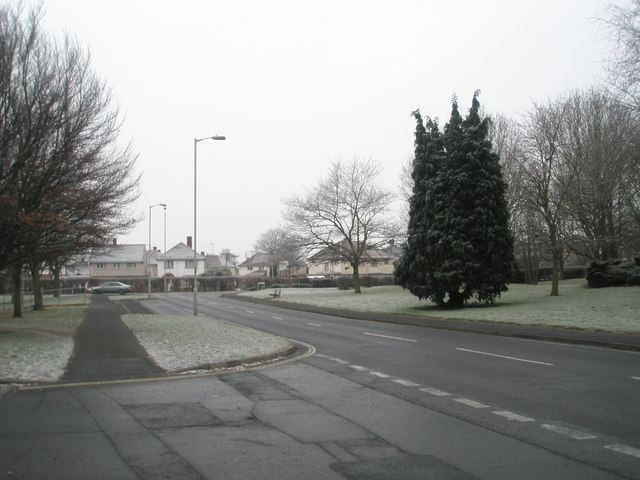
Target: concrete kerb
550,334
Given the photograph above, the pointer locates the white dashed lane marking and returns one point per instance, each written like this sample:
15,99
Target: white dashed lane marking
627,450
506,414
435,391
505,357
390,337
277,318
405,383
314,324
568,432
471,403
514,417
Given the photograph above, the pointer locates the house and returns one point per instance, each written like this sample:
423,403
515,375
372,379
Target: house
119,261
257,265
179,261
327,261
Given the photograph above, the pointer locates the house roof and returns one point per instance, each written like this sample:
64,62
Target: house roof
257,260
332,254
119,254
180,252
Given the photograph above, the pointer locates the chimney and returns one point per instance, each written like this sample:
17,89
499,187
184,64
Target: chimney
189,242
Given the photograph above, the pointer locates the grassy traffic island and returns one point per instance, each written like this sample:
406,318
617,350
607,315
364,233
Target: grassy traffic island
611,309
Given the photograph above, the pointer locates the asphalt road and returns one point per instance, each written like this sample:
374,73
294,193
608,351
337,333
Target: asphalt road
581,403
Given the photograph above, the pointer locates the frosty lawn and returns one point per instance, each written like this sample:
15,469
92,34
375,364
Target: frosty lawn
38,346
178,342
615,309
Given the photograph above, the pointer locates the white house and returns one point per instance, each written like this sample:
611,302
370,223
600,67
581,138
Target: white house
179,262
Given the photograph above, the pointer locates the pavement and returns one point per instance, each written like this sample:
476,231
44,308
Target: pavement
235,426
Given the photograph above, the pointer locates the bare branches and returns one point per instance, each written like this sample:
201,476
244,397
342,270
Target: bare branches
344,212
65,182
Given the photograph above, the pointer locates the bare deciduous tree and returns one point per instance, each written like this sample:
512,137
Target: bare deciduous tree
65,183
282,246
622,23
602,144
548,177
344,212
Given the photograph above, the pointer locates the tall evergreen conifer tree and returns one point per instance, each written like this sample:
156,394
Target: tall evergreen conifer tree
458,242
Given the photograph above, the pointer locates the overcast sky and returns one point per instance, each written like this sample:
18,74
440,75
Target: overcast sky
296,84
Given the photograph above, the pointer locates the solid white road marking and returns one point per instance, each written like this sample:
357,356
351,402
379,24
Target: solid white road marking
405,383
314,324
378,374
435,391
513,416
568,432
627,450
504,356
393,338
471,403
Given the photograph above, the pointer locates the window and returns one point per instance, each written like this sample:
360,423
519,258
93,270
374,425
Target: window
168,264
116,266
101,266
131,265
188,264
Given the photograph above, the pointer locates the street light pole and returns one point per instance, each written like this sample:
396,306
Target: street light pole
195,216
164,261
149,254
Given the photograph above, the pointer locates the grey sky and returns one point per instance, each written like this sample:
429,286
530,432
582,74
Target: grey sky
296,84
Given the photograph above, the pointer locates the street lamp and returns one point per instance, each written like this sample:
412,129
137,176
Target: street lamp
149,255
164,261
195,217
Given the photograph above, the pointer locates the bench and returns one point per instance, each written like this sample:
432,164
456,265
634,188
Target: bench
275,294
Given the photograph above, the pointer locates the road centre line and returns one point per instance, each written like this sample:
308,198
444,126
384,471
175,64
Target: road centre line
393,338
506,357
627,450
568,432
380,375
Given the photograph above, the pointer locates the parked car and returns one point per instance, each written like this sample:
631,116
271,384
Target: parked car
113,287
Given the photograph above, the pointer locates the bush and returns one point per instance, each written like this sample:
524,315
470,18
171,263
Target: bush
614,273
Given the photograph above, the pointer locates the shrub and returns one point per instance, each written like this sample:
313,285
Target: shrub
614,273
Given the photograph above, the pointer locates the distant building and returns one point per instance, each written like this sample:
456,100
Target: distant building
179,261
257,265
113,261
328,261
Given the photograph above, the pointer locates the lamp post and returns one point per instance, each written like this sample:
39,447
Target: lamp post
149,255
195,216
164,246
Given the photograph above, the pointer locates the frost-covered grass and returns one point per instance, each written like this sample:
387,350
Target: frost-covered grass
177,342
38,346
615,309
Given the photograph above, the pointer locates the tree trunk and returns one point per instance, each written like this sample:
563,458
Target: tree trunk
356,279
38,300
17,291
